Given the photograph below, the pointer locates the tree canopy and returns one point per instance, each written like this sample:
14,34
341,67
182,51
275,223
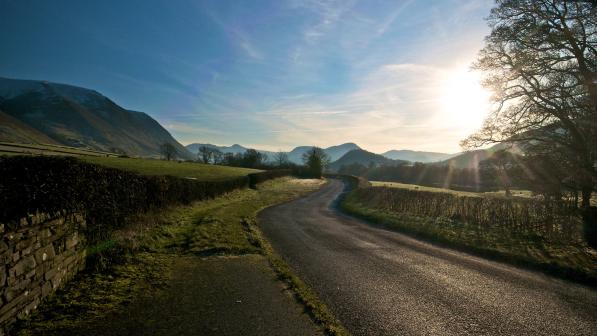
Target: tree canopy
540,61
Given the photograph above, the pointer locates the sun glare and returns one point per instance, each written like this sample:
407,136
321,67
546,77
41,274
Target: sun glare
464,102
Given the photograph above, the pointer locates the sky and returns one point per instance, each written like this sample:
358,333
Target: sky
269,74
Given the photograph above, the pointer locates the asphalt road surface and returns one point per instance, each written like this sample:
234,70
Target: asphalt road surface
379,282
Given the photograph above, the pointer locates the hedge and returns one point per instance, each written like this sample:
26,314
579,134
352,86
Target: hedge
107,196
354,182
256,178
553,220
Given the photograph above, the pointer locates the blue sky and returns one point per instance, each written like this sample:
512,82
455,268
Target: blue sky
268,74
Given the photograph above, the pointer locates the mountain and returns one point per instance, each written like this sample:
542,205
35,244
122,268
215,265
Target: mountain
416,156
471,159
14,130
364,158
335,152
194,148
45,112
295,155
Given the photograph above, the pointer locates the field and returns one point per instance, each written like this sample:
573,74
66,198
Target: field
501,193
9,148
198,171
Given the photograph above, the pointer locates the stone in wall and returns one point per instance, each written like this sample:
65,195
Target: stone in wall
38,254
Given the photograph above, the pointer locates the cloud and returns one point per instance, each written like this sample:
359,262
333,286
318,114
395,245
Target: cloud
237,36
386,95
385,25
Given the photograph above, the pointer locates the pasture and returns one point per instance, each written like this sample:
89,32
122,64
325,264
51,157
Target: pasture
192,170
500,193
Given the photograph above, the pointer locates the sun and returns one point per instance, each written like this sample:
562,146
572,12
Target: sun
464,102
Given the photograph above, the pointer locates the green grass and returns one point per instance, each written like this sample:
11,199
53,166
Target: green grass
225,225
501,193
572,260
199,171
9,148
216,226
93,294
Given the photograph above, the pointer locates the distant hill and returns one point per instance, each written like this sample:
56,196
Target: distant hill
234,149
335,152
44,112
295,155
471,159
416,156
364,158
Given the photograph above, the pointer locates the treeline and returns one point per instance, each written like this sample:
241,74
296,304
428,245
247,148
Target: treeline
251,158
542,175
433,175
420,173
314,160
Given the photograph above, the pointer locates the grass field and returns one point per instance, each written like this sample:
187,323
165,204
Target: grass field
202,172
515,192
9,148
192,170
501,193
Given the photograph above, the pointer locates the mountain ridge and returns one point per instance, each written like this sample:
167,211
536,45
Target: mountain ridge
79,117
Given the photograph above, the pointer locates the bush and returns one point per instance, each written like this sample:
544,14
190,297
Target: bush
256,178
354,182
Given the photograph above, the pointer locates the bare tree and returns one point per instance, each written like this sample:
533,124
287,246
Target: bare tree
540,61
217,156
316,161
281,159
168,151
205,154
500,170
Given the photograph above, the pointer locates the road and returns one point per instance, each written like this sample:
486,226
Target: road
379,282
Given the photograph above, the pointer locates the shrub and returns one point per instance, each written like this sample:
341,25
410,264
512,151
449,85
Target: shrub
256,178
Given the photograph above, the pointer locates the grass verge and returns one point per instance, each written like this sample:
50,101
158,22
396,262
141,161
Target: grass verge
146,248
93,294
318,311
572,261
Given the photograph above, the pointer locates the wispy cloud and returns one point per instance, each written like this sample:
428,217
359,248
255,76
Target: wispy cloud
383,27
237,36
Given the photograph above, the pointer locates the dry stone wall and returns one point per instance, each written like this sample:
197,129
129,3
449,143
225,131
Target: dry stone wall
38,254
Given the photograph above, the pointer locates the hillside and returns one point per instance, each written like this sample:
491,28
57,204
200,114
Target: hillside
14,130
471,159
364,158
417,156
44,112
335,152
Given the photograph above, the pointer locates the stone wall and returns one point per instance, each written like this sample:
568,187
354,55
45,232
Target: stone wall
37,255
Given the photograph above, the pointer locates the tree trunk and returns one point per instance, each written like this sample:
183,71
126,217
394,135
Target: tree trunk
586,196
